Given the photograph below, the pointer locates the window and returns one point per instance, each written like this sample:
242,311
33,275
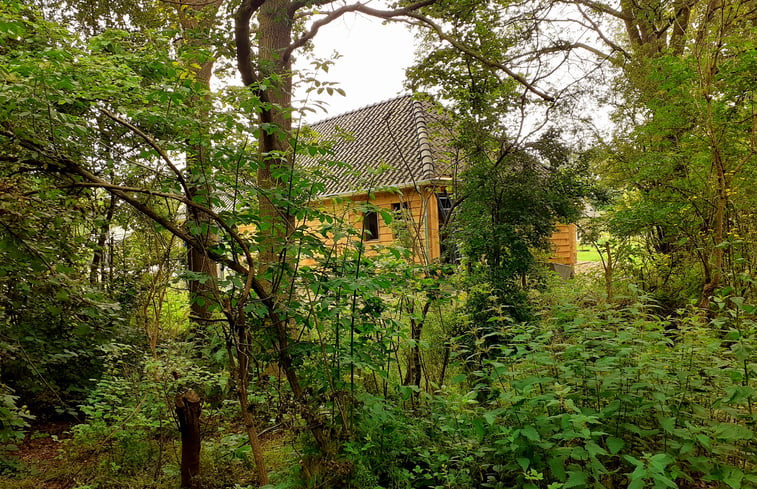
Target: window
444,202
447,248
400,209
370,226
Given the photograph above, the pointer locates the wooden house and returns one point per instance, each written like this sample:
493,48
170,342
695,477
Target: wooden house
391,155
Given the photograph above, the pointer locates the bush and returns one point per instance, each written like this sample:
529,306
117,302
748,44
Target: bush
14,420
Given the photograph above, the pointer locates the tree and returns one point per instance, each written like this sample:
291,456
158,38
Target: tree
68,97
689,156
518,175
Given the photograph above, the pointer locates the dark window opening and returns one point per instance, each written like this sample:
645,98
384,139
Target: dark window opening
444,201
447,249
400,209
370,226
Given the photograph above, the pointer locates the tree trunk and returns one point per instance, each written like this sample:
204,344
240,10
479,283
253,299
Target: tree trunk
199,16
609,269
243,354
188,410
413,373
275,23
275,35
96,272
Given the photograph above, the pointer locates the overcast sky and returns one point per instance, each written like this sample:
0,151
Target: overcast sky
372,63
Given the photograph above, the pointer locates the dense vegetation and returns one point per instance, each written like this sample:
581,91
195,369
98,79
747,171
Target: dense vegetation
127,287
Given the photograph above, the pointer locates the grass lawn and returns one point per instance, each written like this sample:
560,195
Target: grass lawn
588,253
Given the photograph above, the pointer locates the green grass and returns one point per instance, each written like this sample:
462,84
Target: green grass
588,253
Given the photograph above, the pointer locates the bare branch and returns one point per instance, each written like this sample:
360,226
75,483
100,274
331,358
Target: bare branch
298,4
595,27
356,7
153,144
600,7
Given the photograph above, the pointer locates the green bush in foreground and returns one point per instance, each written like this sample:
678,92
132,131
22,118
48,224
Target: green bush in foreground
594,396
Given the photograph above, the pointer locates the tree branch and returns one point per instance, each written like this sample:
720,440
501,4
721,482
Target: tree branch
600,7
614,46
64,164
356,7
153,144
472,53
242,40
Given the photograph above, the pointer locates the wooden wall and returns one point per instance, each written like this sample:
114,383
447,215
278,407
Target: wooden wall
423,225
565,245
421,219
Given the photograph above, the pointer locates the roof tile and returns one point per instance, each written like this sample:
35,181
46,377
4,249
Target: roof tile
388,144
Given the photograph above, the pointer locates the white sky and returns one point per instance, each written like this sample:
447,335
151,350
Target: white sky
372,64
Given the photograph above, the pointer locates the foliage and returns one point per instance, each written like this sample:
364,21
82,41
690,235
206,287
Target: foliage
14,420
684,157
130,422
45,292
592,396
314,333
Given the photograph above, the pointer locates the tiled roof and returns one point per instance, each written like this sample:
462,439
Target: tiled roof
388,144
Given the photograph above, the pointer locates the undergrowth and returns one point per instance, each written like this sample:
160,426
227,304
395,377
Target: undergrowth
591,395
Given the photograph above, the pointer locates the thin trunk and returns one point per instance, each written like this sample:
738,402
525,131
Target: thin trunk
240,354
96,272
445,362
609,269
716,260
413,373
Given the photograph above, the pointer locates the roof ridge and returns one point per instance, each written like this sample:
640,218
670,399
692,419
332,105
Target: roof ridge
358,109
424,141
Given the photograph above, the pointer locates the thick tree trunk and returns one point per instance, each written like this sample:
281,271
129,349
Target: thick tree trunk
188,410
197,16
275,35
275,23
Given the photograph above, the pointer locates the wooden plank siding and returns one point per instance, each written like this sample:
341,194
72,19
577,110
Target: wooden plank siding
422,224
424,212
564,245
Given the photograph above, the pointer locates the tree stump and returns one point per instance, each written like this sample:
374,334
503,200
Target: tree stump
188,409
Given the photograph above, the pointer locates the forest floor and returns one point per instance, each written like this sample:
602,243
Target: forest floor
47,458
40,457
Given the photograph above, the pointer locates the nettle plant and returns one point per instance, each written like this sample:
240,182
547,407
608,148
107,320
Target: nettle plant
608,397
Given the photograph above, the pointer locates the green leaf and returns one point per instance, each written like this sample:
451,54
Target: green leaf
637,483
557,466
667,423
733,432
633,460
530,433
576,478
478,428
387,216
733,478
659,461
594,449
615,445
490,417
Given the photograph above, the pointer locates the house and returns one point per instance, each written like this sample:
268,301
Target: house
392,155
